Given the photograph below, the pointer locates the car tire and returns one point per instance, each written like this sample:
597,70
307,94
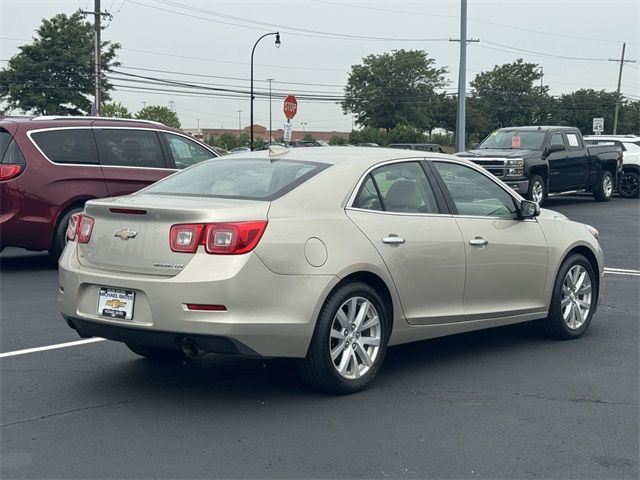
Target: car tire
60,236
629,184
155,353
603,191
572,306
344,357
537,190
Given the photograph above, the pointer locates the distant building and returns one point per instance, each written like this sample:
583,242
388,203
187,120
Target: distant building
205,134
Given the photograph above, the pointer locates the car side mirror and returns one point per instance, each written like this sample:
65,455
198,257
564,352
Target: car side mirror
555,148
529,209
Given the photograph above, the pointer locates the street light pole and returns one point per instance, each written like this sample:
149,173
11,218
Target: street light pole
270,125
239,123
277,34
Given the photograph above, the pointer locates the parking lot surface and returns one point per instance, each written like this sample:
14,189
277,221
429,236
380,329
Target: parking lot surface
500,403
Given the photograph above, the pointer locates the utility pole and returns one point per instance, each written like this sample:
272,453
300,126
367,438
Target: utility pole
622,62
270,125
462,78
541,76
98,14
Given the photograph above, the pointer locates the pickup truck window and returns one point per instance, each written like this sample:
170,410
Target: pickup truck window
556,139
574,141
510,139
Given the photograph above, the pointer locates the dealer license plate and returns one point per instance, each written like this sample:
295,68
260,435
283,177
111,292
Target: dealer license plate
116,303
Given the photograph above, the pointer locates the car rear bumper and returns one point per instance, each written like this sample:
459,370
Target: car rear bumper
266,314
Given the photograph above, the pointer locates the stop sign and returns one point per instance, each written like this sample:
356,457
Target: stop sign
290,107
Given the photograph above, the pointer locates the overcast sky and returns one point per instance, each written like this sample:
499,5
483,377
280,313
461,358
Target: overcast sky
209,43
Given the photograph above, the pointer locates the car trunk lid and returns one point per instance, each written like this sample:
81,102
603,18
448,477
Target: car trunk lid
131,234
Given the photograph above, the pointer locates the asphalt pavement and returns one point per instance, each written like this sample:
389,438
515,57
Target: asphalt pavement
499,403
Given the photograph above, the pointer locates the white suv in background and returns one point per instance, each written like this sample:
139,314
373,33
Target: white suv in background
628,185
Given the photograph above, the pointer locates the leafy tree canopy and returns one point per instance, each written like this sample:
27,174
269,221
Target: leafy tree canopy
159,113
115,109
506,96
579,108
393,88
54,75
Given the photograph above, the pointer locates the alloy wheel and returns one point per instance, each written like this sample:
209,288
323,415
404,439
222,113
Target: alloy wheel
355,337
628,185
607,185
576,297
537,191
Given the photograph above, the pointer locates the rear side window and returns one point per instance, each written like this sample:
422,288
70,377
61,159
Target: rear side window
252,179
186,152
397,187
9,150
129,148
69,145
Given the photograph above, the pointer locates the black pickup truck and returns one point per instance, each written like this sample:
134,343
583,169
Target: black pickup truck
538,161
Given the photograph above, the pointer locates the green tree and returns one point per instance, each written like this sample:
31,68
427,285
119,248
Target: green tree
226,141
508,96
405,134
579,108
54,75
115,109
308,138
337,140
368,135
159,113
393,88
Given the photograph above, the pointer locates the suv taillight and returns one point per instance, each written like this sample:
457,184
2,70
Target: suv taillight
230,238
80,227
9,171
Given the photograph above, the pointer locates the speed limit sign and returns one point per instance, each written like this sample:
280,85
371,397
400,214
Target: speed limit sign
598,125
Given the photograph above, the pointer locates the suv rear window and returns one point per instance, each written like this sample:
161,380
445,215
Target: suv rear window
68,145
246,178
9,150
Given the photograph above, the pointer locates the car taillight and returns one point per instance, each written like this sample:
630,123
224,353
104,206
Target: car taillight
233,238
9,171
80,227
230,238
186,237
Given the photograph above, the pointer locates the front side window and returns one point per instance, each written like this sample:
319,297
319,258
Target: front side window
246,178
130,148
68,145
556,139
186,152
397,187
474,194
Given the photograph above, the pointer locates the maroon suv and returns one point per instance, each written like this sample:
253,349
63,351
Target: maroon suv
50,166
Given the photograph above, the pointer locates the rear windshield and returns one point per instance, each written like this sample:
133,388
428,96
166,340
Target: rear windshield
246,178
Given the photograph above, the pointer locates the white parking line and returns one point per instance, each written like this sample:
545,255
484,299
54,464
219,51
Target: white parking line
622,271
51,347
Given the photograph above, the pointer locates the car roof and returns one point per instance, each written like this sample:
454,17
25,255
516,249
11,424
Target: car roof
362,157
52,121
541,128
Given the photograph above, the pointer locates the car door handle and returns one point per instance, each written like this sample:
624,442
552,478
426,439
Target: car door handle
393,239
478,242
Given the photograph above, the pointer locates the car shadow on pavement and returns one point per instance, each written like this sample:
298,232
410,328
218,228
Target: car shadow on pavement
24,261
233,378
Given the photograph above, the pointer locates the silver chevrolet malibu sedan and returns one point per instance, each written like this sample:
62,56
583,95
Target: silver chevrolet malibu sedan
325,255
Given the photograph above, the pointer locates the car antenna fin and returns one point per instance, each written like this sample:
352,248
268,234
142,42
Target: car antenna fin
276,151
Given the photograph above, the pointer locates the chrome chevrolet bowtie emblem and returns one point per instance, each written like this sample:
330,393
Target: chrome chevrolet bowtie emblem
125,234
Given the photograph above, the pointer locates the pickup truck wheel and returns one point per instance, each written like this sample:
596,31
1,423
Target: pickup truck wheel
537,190
629,187
603,190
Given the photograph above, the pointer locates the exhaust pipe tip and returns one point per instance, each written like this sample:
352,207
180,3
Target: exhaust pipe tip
190,348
